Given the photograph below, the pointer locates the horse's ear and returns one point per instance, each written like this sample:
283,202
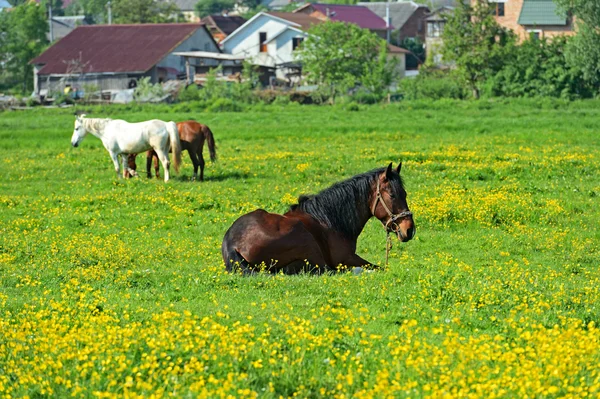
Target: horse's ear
398,168
388,172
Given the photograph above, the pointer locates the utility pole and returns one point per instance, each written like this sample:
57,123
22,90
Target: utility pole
387,21
109,13
50,21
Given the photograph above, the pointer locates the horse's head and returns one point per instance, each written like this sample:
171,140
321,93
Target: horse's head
79,131
390,206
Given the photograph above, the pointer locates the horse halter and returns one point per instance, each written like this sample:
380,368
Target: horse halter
393,217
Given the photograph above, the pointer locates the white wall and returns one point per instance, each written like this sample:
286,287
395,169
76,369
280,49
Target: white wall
199,41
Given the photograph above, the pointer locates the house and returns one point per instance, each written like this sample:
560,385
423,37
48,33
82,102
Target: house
270,39
221,26
358,15
4,4
62,26
406,17
540,18
434,28
114,57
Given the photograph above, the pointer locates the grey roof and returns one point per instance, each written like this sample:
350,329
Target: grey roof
541,12
62,26
275,4
400,12
186,5
441,14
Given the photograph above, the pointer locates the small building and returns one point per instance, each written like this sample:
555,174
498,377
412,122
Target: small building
358,15
434,28
114,57
538,18
406,17
221,26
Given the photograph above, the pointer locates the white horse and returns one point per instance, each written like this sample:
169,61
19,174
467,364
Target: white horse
123,138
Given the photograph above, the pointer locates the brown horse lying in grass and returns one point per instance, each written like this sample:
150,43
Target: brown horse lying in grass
320,232
192,136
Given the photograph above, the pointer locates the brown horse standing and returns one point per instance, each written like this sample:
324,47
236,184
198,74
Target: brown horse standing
320,232
192,136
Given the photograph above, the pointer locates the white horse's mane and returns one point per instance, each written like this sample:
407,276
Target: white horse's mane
94,124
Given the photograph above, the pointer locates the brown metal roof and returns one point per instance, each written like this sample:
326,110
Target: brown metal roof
114,48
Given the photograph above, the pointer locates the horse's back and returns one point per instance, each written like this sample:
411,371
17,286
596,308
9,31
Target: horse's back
136,137
260,236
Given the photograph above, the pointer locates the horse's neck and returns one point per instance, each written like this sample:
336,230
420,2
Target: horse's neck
95,126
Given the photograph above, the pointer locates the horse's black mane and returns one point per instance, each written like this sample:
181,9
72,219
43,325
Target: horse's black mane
343,206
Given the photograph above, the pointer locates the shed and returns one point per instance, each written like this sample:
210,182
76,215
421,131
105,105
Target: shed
114,57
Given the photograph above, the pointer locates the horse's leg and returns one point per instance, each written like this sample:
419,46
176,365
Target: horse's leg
201,161
356,261
149,164
156,168
124,162
164,159
195,162
115,159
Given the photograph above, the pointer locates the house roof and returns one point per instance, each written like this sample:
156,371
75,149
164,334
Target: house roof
541,12
185,5
225,24
400,12
114,48
303,21
396,50
440,14
61,26
358,15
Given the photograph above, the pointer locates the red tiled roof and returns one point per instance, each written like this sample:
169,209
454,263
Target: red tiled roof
304,20
359,15
114,48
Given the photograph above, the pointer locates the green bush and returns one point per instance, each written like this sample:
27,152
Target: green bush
225,105
432,84
190,93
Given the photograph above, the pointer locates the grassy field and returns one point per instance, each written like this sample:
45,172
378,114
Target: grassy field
116,288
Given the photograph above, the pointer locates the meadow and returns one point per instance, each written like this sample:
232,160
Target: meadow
116,288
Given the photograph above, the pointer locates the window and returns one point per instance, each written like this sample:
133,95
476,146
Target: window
262,38
499,9
435,28
296,42
535,34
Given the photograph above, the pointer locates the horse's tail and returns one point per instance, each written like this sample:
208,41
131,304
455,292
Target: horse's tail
175,144
234,261
210,140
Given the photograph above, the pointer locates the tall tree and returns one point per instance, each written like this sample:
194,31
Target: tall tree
475,42
211,7
144,11
23,32
95,10
583,51
338,56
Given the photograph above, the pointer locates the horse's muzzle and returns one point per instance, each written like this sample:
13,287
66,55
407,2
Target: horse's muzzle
410,233
75,144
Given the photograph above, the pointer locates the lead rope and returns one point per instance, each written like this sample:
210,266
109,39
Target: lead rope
388,247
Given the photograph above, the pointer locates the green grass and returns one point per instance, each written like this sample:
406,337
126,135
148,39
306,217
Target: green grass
505,198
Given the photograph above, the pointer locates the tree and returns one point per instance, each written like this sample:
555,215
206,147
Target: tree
583,51
95,10
143,11
475,42
339,56
23,37
210,7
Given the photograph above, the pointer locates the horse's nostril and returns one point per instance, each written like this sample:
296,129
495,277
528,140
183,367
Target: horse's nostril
411,232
